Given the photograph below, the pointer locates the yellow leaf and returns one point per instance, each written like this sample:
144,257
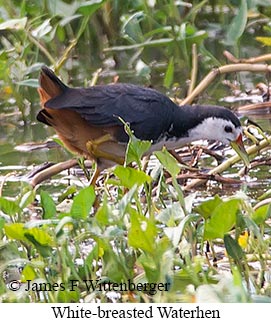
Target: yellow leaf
264,40
243,240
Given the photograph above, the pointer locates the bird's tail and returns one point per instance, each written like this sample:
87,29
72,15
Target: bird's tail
50,85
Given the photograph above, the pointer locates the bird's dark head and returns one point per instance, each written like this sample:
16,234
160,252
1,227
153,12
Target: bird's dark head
218,123
214,123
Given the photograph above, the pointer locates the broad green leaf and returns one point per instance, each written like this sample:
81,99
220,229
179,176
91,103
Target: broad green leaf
168,79
9,207
232,247
142,233
129,176
15,231
206,208
221,220
40,236
237,25
82,203
168,161
41,240
48,205
261,214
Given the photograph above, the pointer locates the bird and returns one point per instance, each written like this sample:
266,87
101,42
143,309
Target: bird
89,121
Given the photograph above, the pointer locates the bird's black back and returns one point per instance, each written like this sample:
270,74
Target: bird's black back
150,114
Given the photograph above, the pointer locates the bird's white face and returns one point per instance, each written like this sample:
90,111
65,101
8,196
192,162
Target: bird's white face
216,129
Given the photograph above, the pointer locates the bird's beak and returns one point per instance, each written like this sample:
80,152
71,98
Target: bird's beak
238,146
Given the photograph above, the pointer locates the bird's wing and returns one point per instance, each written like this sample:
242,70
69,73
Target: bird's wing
148,112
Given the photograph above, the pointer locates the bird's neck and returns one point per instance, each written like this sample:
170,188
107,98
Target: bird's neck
192,123
185,119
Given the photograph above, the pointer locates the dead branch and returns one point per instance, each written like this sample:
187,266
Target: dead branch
229,162
231,68
51,171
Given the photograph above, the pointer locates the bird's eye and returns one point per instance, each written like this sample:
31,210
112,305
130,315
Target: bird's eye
228,128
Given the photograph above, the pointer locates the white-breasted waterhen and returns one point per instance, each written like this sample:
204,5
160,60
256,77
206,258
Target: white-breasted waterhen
88,120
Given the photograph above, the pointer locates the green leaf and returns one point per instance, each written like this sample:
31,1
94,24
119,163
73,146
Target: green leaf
28,273
68,296
9,207
88,8
65,221
170,214
41,240
48,205
2,223
168,79
136,148
168,161
253,228
261,214
82,203
142,233
175,233
62,9
126,200
9,252
221,220
147,261
206,208
232,247
237,25
38,235
29,82
102,214
42,29
26,199
14,24
15,231
131,28
129,176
